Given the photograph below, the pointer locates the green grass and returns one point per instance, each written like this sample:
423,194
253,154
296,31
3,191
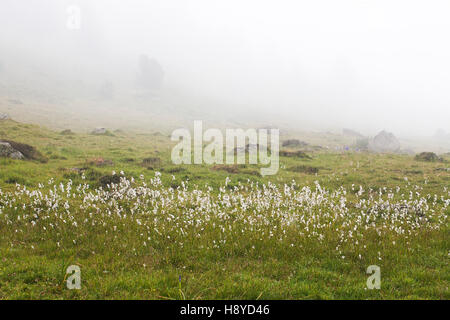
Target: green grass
32,265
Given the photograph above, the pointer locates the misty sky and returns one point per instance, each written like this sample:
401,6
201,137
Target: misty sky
368,65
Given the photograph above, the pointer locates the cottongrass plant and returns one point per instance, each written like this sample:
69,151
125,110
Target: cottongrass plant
141,216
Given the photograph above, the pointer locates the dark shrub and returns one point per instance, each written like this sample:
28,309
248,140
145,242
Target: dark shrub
227,168
109,179
66,132
362,144
152,161
173,170
295,154
304,169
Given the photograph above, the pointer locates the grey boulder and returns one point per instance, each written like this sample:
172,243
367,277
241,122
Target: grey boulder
9,152
384,142
4,116
99,131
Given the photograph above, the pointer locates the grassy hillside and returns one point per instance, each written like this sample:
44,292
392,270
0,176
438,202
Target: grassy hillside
172,232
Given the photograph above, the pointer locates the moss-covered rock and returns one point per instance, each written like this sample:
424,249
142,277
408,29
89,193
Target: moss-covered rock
428,156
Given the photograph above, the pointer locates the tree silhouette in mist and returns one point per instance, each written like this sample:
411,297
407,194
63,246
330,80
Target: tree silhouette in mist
150,75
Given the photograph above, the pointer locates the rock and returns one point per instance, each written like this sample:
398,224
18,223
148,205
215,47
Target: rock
384,142
238,150
351,133
66,132
362,144
428,156
7,151
17,155
17,150
15,101
249,148
294,143
99,131
4,116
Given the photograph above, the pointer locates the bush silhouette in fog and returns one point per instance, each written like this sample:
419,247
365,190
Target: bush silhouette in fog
150,75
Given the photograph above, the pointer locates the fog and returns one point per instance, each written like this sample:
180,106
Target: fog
324,64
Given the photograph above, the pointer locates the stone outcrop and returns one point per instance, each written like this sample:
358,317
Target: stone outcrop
99,131
7,151
384,142
4,116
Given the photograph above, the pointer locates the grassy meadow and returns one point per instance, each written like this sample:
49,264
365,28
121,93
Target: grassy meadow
155,230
